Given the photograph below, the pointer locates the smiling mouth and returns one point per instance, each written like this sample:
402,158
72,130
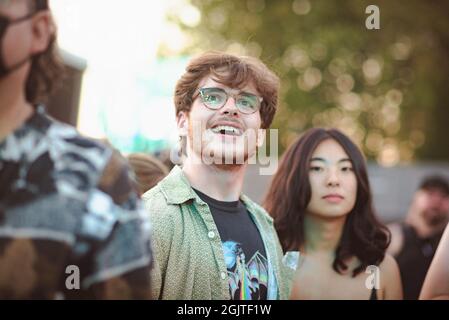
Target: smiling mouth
227,130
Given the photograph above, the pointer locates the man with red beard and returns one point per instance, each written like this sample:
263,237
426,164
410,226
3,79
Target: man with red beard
415,241
211,241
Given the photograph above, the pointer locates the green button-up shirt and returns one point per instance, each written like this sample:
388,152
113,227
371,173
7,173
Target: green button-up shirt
189,259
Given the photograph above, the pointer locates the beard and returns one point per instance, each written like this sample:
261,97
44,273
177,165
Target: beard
435,218
226,153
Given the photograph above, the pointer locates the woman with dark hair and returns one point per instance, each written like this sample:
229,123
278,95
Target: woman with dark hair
321,203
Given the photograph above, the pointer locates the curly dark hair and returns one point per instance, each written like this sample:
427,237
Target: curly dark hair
46,67
289,195
435,182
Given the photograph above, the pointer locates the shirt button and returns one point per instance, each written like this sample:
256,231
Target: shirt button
223,275
211,234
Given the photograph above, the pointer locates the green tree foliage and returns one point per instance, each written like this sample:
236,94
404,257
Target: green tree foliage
387,88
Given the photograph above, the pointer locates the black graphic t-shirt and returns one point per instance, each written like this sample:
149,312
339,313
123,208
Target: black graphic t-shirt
243,248
68,210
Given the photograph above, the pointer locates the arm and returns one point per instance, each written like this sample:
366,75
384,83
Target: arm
390,279
294,295
163,231
436,284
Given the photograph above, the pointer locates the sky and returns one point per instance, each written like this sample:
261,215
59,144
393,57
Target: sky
127,90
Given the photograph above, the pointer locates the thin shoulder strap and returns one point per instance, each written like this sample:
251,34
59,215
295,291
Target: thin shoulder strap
373,294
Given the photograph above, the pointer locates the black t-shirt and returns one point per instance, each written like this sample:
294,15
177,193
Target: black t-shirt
243,248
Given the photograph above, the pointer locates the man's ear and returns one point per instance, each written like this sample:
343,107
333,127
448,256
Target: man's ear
43,31
261,137
182,120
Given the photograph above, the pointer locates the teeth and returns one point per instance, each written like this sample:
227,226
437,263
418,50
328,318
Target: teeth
226,129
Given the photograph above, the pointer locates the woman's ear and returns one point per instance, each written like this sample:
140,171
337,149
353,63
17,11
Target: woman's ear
43,31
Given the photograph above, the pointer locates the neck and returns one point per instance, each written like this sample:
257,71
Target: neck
14,109
322,235
220,183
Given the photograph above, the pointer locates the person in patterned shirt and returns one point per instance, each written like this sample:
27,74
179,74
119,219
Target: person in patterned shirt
71,222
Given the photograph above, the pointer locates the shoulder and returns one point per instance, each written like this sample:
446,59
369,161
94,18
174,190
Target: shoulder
67,136
87,170
164,216
256,209
88,165
77,160
44,138
390,278
74,166
156,203
154,195
389,265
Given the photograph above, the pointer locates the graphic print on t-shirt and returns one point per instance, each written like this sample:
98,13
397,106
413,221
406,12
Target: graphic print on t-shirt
243,248
248,280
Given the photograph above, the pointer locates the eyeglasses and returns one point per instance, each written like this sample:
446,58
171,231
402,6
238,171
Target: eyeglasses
216,98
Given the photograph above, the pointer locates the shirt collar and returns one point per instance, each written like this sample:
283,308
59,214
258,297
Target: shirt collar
177,190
